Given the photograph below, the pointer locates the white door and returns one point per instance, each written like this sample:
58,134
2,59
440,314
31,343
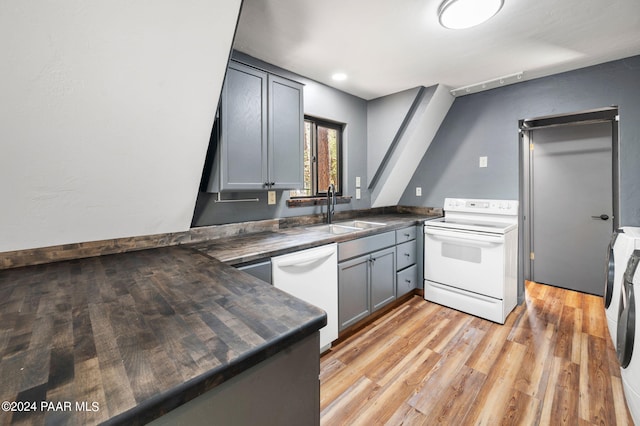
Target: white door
571,205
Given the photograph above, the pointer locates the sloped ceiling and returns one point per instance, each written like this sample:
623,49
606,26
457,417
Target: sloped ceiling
106,115
389,46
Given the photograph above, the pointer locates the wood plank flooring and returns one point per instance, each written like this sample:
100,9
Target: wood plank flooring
552,363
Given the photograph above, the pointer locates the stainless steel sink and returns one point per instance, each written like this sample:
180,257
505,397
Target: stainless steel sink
334,229
361,224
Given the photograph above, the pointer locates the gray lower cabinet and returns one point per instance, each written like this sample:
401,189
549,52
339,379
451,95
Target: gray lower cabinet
407,280
383,278
407,253
406,234
259,132
366,277
260,269
281,390
375,270
353,291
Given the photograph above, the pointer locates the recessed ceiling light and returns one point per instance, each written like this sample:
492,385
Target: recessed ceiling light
339,76
459,14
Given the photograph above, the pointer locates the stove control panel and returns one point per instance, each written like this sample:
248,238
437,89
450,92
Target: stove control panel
504,207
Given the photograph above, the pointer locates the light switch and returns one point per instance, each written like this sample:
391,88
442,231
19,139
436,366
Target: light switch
271,198
483,161
357,181
358,194
418,191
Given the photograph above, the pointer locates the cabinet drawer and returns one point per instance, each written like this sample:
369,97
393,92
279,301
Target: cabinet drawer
405,234
406,254
351,249
407,280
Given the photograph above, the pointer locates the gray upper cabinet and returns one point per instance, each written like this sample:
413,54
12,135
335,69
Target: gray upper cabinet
260,133
243,129
285,130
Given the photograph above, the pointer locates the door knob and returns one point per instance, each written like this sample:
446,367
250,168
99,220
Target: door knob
601,217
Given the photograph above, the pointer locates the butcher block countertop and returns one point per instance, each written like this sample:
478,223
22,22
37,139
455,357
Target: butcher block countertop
125,338
251,247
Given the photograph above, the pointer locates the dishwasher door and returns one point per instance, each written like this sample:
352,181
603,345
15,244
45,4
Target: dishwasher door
312,275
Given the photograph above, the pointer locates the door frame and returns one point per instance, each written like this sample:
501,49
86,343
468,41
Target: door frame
525,127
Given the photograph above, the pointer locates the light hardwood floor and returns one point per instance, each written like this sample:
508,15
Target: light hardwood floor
552,363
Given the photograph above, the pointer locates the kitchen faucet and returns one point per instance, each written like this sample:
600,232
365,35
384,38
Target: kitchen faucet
331,202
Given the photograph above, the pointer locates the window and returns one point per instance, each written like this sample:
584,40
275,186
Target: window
322,158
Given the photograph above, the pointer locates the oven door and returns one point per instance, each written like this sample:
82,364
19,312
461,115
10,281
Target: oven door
466,260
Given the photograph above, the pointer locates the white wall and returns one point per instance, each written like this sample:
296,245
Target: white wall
105,115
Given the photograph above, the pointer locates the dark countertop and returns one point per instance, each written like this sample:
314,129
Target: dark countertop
252,247
137,333
143,332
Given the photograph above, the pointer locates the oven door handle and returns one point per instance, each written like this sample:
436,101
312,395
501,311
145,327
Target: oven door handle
465,237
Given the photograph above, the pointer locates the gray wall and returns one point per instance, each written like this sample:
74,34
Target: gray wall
486,124
385,117
320,101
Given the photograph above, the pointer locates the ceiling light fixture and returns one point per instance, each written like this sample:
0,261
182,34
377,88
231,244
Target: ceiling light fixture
459,14
339,76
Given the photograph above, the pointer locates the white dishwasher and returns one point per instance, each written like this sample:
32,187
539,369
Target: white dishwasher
312,275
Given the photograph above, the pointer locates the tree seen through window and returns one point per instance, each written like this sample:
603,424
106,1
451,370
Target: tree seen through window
322,150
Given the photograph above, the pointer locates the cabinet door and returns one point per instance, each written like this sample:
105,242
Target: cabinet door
353,291
243,130
286,126
383,278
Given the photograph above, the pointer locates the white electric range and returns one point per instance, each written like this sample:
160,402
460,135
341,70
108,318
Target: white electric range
471,257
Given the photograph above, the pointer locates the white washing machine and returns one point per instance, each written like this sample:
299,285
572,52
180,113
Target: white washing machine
623,242
629,336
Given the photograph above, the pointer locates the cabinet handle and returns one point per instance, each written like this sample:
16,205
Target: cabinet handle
272,183
407,234
266,184
407,280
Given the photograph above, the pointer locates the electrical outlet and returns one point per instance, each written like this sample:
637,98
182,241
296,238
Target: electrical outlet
358,194
418,191
483,161
271,197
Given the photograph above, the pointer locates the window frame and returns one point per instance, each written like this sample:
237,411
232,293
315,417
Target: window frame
339,128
